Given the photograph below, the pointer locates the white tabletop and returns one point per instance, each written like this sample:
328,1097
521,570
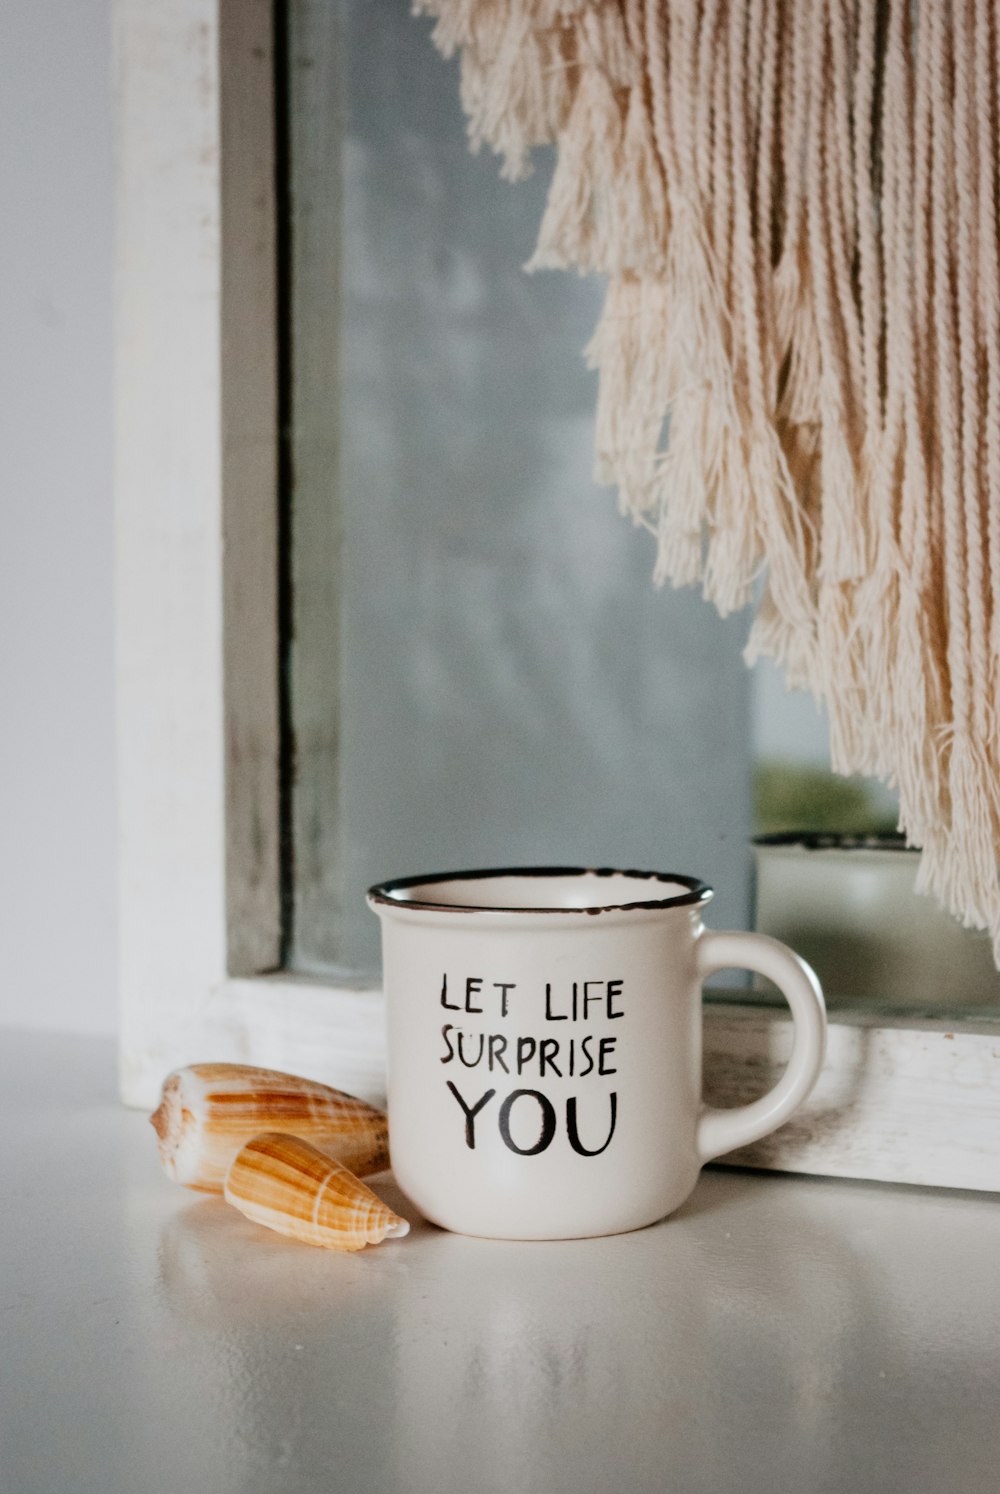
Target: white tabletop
778,1334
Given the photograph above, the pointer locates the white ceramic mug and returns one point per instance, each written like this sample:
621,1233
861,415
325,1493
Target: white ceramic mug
545,1046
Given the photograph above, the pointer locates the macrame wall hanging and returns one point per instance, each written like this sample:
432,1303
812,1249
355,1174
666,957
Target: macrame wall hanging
795,204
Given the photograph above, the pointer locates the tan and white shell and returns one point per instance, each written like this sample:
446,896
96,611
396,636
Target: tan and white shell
209,1110
287,1185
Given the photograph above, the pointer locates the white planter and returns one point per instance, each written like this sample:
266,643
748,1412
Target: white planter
848,905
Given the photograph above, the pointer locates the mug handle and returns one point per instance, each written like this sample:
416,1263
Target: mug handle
721,1131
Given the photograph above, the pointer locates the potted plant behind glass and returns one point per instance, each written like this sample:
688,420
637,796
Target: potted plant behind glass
842,893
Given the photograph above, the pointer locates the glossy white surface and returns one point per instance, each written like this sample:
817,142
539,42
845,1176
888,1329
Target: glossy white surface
778,1334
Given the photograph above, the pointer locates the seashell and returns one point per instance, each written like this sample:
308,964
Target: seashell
208,1110
289,1186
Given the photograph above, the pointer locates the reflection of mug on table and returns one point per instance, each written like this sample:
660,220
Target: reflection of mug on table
545,1046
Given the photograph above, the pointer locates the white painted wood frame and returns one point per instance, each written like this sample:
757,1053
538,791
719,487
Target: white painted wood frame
197,659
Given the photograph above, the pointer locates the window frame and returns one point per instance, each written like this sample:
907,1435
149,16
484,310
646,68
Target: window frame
197,660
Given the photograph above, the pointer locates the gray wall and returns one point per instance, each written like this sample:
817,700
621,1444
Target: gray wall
57,893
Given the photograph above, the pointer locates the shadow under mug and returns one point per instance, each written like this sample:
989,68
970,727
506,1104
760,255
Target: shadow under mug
544,1046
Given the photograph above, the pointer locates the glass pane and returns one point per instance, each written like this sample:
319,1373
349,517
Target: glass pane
834,881
481,671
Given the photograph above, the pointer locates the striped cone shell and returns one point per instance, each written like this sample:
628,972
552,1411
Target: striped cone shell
208,1110
287,1185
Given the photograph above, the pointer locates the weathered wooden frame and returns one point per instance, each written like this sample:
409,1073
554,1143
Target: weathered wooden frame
197,659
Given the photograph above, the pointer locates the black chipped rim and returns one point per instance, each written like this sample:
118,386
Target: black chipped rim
835,840
698,892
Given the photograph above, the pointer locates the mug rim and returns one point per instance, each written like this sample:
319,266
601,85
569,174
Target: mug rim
697,892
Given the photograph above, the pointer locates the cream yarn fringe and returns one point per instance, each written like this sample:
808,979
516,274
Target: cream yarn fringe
796,205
